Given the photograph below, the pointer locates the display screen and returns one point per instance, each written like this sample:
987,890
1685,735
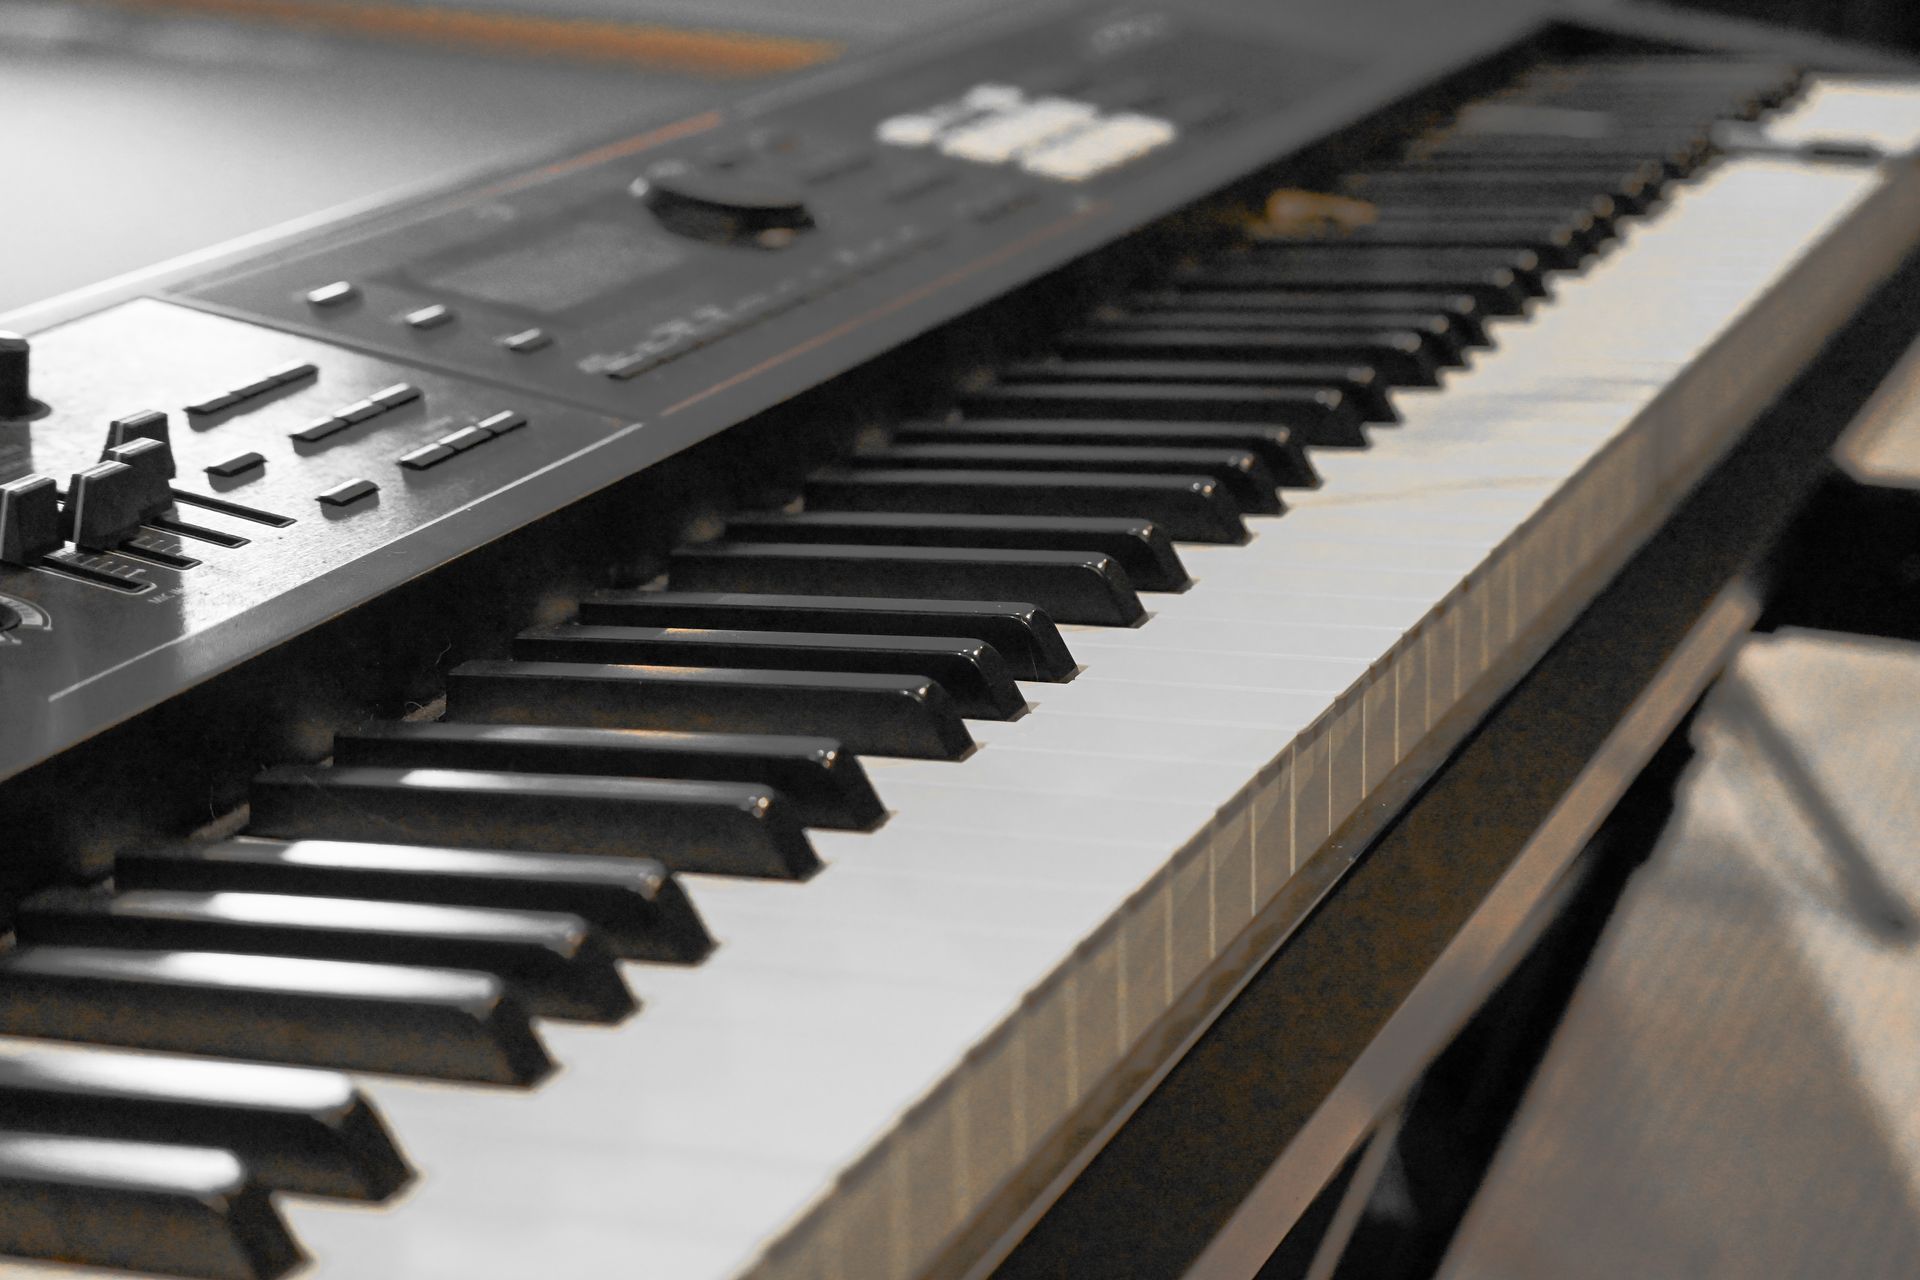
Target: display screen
576,264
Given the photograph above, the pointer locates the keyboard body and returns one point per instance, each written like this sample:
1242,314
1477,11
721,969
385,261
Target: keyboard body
401,434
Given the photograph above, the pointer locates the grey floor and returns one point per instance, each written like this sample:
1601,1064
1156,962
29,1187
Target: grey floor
129,139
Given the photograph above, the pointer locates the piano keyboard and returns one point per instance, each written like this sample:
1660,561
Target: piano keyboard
852,1034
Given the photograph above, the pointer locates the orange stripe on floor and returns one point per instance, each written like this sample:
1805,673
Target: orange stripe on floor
707,52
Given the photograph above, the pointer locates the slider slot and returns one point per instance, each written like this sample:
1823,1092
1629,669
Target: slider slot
226,507
197,532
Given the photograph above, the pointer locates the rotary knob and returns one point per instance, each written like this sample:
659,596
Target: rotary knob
723,207
16,399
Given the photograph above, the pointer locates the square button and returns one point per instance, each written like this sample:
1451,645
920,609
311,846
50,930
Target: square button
332,295
427,455
466,437
527,340
238,464
321,429
430,317
345,495
396,395
504,421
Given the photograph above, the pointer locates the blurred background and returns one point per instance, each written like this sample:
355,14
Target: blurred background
140,130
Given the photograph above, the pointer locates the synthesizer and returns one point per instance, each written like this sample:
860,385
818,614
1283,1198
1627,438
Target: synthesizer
698,708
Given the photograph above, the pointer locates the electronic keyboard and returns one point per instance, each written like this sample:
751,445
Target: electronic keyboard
705,707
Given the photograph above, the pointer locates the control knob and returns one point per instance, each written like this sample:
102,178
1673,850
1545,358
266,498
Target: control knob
723,207
16,399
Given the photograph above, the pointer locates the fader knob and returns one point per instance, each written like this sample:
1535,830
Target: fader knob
29,519
16,399
103,506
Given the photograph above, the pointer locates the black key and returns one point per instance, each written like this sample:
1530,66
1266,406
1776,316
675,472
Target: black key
1315,415
1073,586
1334,257
1676,155
1551,235
1191,508
1359,383
1140,547
554,963
1399,356
297,1130
1515,204
139,1206
875,715
969,670
1500,290
637,907
1636,174
1560,247
1025,636
728,828
1242,472
1630,192
1435,333
364,1017
1462,311
822,779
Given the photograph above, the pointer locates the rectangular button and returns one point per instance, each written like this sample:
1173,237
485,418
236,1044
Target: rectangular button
287,374
504,421
465,438
320,429
427,455
352,491
396,395
430,317
360,411
214,404
527,340
332,295
240,462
